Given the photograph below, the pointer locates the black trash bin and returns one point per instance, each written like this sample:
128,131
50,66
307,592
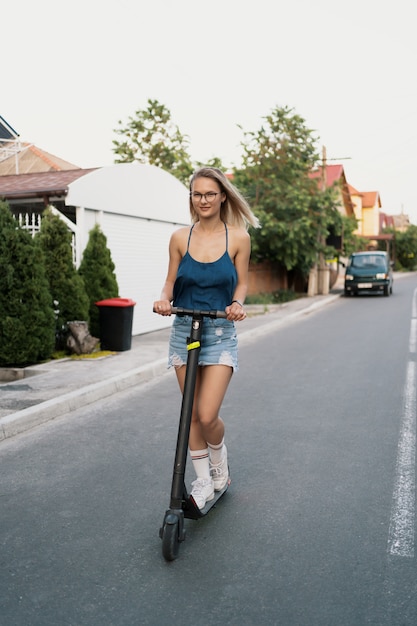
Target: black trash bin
116,319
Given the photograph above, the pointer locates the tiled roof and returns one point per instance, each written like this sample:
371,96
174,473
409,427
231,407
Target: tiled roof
39,184
353,191
333,173
30,158
336,173
370,199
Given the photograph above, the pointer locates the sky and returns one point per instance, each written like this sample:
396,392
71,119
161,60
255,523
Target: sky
72,71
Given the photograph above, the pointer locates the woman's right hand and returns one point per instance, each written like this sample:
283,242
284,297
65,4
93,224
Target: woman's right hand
162,307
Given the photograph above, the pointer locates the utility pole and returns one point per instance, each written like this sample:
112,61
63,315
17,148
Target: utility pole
324,271
319,276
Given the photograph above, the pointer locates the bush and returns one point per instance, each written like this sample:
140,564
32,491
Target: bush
65,284
406,248
277,297
27,332
97,270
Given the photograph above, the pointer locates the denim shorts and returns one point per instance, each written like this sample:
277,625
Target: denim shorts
218,342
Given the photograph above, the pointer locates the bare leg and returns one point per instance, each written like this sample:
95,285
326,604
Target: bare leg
207,428
211,386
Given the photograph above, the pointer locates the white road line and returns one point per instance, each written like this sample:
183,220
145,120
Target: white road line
414,309
413,336
401,528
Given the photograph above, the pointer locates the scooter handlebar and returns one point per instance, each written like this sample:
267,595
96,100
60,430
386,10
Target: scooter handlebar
176,310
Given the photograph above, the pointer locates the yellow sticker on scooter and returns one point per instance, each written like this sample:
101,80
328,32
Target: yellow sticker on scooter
194,345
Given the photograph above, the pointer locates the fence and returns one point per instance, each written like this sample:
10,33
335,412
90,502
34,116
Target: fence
32,223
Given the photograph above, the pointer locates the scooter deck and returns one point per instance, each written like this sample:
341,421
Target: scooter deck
191,510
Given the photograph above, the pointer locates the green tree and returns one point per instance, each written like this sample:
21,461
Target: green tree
151,137
65,284
97,270
406,248
351,242
295,212
27,326
213,162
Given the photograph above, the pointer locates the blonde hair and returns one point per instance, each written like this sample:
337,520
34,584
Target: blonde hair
234,210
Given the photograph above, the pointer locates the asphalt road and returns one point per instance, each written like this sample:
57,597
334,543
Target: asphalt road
317,528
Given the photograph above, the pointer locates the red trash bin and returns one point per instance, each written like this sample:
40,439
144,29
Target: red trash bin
116,320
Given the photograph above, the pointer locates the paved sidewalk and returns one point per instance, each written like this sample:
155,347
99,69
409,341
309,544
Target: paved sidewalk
59,387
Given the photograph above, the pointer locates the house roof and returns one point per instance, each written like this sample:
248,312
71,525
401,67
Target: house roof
124,188
7,133
370,199
353,191
333,174
28,158
386,221
336,173
39,184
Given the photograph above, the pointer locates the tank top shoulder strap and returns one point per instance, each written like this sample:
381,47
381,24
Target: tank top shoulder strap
227,237
189,236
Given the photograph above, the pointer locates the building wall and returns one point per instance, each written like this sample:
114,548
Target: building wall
357,208
139,250
138,207
370,221
266,278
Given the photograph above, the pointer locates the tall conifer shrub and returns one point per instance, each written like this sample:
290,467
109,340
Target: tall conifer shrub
27,329
65,284
97,270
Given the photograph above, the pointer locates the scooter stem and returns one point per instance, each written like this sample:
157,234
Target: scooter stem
193,346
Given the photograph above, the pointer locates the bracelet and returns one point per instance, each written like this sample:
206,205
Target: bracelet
237,302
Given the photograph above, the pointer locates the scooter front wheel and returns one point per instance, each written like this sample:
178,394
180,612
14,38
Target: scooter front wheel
170,535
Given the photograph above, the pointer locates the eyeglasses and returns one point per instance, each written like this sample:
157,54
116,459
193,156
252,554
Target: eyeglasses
208,197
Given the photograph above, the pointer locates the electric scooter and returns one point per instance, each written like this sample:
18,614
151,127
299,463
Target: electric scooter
182,505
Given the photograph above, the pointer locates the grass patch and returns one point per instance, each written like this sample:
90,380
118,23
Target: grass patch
94,355
97,354
59,354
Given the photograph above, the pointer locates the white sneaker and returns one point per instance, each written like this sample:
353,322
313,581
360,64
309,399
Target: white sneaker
202,491
220,472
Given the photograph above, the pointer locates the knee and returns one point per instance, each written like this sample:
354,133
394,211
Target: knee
207,420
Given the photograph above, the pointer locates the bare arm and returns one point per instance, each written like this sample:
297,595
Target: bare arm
236,311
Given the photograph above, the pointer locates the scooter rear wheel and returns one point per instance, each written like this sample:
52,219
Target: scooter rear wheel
170,540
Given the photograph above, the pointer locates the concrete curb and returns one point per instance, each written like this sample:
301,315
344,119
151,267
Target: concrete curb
18,422
28,418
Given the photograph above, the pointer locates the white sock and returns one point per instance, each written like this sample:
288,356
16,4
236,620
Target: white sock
216,452
200,459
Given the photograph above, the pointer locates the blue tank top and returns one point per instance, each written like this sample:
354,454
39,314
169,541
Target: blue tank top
205,286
